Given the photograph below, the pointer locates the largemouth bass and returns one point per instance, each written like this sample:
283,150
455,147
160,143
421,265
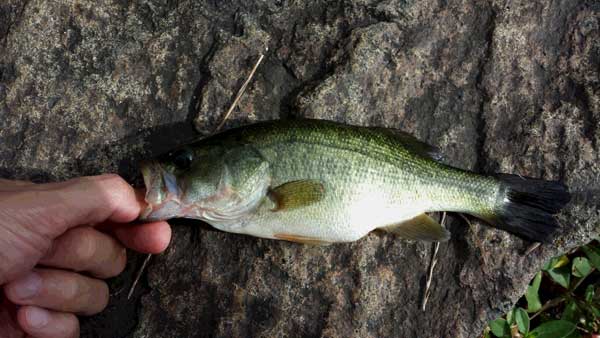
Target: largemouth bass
313,181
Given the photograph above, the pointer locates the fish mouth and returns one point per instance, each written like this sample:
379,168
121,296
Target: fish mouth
162,193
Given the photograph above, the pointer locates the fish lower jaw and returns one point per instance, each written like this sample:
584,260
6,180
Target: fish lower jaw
167,208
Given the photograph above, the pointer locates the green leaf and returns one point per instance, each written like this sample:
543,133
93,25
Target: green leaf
593,254
571,312
500,328
593,310
575,334
533,299
556,262
581,267
522,320
510,317
549,264
554,329
561,275
589,293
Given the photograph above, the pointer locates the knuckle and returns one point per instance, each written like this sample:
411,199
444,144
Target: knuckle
63,325
71,327
97,296
118,184
86,246
109,184
115,180
71,290
120,262
117,191
103,293
84,295
114,266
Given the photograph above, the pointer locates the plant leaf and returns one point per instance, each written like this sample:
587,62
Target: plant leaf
500,328
571,312
581,267
554,329
532,296
561,275
589,293
549,264
556,262
575,334
522,320
594,310
510,317
593,255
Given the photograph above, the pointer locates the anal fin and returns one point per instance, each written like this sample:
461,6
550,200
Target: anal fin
420,227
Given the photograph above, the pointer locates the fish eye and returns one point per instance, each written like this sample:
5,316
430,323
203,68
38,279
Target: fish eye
183,159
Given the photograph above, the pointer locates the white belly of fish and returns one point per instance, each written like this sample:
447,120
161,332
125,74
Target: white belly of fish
352,217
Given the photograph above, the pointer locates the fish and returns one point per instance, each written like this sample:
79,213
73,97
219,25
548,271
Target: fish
321,182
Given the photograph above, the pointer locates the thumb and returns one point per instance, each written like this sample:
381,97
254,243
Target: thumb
51,209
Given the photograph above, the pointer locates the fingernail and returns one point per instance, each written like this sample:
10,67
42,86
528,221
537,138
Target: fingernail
37,317
27,286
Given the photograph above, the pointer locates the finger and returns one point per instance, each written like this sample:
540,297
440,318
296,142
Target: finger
85,200
87,249
8,319
41,323
146,237
8,185
59,290
18,185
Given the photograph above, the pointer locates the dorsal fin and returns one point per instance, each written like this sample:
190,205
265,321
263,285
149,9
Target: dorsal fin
411,143
421,227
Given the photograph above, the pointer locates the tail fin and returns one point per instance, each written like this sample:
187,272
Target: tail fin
526,206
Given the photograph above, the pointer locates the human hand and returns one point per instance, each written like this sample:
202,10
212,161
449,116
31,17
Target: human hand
57,242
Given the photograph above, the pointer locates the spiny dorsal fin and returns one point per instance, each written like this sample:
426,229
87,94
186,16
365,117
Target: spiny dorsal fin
421,227
413,144
296,194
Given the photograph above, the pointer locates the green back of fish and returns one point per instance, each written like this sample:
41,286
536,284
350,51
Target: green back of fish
342,155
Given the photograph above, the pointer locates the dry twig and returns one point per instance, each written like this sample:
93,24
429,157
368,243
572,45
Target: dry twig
436,247
532,248
138,275
240,93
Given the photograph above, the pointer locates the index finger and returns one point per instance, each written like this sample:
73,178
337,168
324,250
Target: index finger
85,200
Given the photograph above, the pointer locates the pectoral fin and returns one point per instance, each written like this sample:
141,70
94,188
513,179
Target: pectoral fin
296,194
421,227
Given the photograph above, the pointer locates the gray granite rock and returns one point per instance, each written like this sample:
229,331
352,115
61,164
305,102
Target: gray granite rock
500,86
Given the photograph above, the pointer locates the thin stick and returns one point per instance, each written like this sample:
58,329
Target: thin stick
436,247
581,280
240,93
549,304
138,275
231,108
532,248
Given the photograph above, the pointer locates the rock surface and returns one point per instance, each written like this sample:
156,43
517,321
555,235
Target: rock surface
511,86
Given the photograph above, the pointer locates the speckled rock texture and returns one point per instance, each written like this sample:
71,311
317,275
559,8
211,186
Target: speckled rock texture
500,86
